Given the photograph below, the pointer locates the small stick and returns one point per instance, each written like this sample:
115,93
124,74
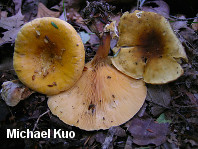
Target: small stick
35,125
178,19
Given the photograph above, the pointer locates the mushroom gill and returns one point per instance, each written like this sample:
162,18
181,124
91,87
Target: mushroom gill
103,97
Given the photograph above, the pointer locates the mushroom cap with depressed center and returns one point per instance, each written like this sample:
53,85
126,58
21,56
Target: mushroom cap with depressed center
103,97
49,55
144,39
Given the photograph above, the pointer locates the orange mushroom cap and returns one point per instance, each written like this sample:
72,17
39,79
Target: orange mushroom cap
49,55
148,48
103,97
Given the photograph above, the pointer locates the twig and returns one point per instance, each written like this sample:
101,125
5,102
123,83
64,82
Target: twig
178,19
87,140
35,125
193,106
140,3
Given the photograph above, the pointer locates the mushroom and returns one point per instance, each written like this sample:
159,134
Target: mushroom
49,55
148,48
103,97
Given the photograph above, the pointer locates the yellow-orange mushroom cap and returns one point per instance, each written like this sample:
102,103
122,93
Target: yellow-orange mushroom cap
103,97
148,48
49,55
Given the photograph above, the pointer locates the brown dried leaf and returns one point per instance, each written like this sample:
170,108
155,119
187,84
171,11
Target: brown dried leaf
147,131
160,95
177,25
188,34
73,15
14,91
30,9
98,137
159,7
13,25
17,4
72,3
119,132
43,11
185,33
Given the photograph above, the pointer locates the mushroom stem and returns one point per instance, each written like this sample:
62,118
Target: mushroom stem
103,49
102,97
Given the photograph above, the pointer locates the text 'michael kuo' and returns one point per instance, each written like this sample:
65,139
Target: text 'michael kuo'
55,133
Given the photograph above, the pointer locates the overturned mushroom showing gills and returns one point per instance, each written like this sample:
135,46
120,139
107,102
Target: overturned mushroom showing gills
102,97
49,55
148,48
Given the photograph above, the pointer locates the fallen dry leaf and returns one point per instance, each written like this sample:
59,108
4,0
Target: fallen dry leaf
98,137
43,11
73,15
84,36
158,95
120,132
72,3
147,131
29,9
177,25
17,4
188,34
13,25
185,33
116,18
159,7
14,91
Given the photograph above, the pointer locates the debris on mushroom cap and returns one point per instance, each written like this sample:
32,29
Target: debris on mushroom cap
112,29
148,48
103,97
14,91
49,55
